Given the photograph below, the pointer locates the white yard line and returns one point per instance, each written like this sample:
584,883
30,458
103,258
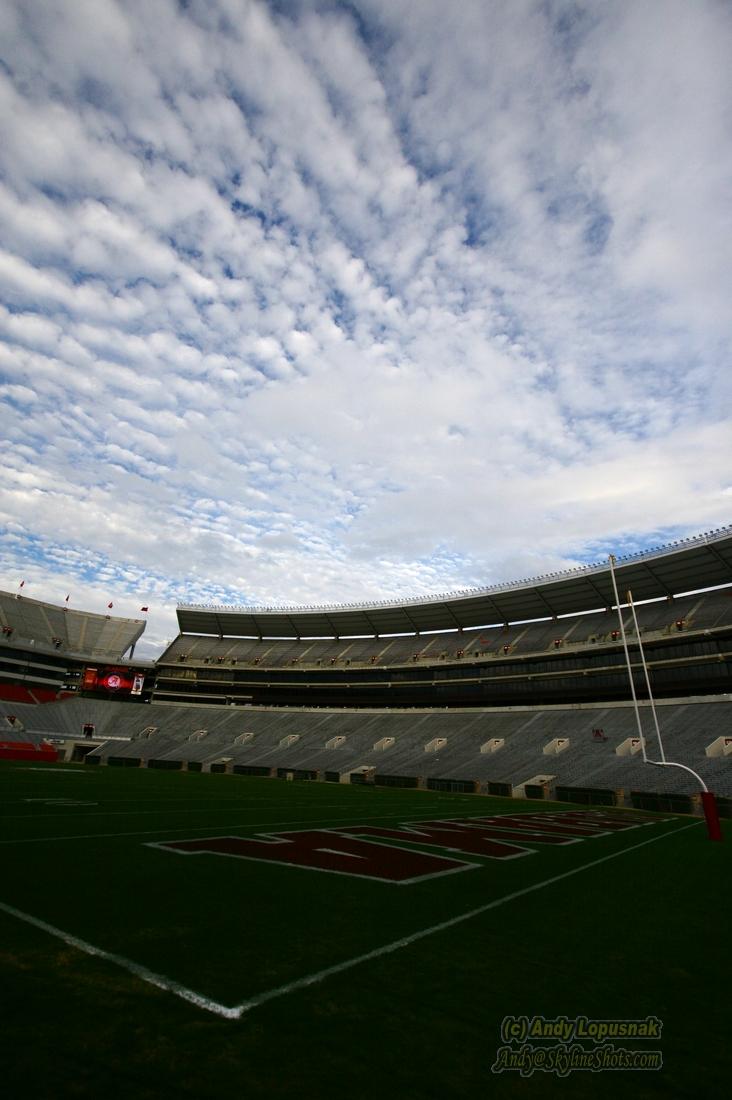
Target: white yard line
397,945
235,1012
142,972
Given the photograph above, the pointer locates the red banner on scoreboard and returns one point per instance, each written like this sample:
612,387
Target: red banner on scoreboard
89,679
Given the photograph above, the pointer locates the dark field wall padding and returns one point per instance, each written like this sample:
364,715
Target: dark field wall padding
395,780
662,803
457,786
724,806
587,796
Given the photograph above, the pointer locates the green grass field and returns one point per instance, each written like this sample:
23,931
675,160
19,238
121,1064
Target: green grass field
216,984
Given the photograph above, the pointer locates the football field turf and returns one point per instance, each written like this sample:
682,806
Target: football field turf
183,934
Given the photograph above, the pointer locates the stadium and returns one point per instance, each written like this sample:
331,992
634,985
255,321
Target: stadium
395,743
424,309
521,689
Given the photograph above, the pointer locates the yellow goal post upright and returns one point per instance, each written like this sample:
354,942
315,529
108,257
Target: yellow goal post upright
709,803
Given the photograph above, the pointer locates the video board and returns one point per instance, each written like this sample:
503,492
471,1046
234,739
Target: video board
118,680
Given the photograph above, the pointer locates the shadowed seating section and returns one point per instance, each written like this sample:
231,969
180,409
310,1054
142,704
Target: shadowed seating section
394,742
704,611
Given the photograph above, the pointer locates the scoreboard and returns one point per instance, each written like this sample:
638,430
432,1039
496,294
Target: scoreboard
115,679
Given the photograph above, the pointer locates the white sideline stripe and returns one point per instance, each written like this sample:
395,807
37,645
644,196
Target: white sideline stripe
389,948
237,1011
142,972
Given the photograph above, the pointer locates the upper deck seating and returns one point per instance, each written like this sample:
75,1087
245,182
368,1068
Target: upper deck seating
701,611
31,622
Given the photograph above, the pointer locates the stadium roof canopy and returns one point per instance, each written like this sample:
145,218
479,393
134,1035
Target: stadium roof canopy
704,561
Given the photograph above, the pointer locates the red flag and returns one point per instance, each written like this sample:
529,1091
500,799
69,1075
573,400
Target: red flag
67,598
110,605
144,609
21,584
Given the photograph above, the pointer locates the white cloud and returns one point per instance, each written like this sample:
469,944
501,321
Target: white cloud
304,303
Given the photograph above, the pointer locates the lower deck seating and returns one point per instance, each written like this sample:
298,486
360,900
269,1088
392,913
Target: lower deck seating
340,740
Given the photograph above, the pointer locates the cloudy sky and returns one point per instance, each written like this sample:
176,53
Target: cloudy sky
311,301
